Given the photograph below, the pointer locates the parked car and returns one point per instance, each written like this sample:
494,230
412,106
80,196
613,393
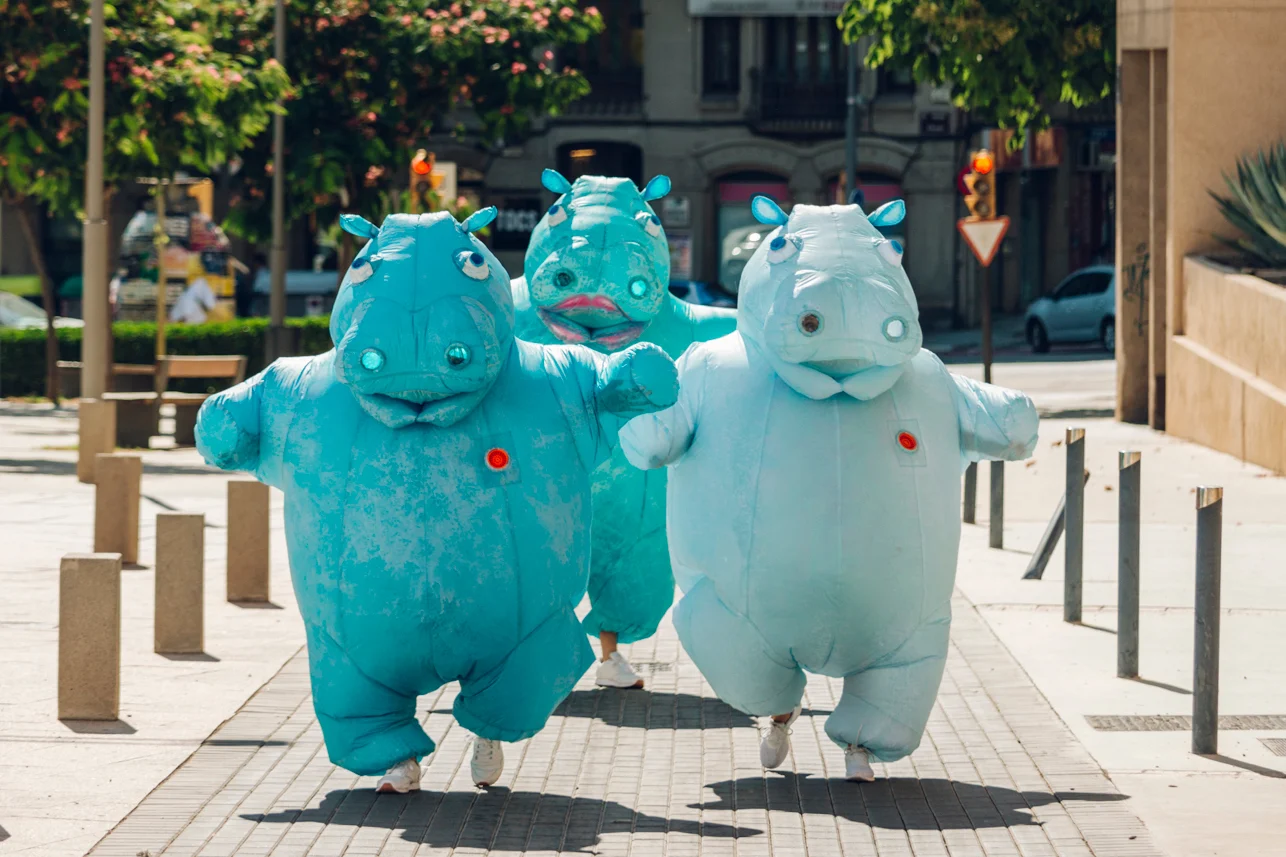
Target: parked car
1081,309
16,312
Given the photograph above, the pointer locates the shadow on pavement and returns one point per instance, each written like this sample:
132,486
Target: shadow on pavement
99,727
493,820
900,803
49,467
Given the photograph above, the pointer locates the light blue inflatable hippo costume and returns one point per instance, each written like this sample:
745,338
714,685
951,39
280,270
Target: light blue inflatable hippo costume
598,272
814,498
436,480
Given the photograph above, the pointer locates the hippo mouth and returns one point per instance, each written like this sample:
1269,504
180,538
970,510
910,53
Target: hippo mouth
591,320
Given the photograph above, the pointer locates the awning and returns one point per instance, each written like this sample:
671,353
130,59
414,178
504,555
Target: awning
766,8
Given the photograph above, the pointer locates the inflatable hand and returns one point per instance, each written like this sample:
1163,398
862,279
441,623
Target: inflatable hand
639,380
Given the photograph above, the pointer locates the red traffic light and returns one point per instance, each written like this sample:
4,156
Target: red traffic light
422,164
982,163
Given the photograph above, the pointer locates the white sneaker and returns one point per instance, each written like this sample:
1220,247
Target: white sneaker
774,746
488,762
617,672
857,765
401,778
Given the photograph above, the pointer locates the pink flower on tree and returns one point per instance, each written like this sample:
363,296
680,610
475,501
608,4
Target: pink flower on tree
406,20
479,16
233,77
437,31
567,13
592,11
71,83
518,68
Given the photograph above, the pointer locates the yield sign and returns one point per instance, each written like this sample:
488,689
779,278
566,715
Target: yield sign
984,236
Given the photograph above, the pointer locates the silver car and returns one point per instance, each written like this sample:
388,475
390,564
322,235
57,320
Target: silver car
1081,309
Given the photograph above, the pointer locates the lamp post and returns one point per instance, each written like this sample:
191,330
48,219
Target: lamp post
96,357
277,296
853,100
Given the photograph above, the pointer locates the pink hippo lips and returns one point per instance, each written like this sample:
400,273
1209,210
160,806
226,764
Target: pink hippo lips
591,320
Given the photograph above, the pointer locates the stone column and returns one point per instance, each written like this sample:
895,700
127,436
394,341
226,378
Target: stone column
97,429
1133,237
179,617
1158,328
248,567
118,483
89,637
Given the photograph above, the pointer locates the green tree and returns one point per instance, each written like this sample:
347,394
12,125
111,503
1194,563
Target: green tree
375,80
172,102
1007,61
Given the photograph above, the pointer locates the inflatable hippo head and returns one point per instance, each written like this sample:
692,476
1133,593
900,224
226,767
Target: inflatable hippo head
598,266
826,299
424,318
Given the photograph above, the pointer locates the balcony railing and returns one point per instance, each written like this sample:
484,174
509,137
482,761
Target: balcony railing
613,92
784,106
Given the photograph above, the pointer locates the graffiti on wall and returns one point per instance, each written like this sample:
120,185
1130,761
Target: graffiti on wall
1136,276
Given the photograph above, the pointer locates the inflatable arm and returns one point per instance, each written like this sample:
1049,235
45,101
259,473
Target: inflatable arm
995,422
639,380
229,426
658,439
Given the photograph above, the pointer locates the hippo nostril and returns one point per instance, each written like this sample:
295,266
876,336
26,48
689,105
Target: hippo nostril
810,323
638,287
895,329
564,279
372,360
458,355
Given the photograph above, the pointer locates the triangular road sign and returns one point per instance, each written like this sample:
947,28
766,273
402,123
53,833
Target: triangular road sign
983,236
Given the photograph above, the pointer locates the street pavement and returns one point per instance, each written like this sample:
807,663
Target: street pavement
222,755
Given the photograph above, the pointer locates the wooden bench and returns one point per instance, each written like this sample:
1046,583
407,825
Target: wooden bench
138,414
124,378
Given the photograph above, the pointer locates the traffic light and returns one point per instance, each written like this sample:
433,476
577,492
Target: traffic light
981,182
421,179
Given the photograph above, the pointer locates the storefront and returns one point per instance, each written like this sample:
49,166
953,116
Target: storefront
736,230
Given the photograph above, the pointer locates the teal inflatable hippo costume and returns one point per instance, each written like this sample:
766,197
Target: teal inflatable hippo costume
437,493
814,495
597,272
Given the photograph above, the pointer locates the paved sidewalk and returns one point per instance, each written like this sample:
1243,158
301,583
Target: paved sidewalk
666,771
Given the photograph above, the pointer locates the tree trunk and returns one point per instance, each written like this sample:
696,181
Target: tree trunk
27,219
344,257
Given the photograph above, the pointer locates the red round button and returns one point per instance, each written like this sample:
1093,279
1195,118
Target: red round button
907,441
497,458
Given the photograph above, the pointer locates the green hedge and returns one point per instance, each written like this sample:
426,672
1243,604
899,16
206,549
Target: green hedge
22,352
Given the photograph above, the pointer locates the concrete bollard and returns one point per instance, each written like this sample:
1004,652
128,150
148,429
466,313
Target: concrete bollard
89,637
997,539
179,618
1127,566
118,483
1074,531
1205,670
248,568
969,515
96,420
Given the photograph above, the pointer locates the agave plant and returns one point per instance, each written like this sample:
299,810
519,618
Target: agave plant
1257,206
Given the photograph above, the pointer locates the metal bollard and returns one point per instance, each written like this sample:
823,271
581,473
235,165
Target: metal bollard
997,504
1205,690
970,493
1127,566
1074,531
178,626
248,568
89,637
118,478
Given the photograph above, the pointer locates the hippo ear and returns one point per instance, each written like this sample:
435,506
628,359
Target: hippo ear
357,225
888,214
767,211
478,219
657,188
554,181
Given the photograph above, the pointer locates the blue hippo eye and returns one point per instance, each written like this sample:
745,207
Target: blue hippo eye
638,287
650,222
360,271
557,214
895,329
564,279
372,360
782,247
473,264
809,323
458,355
891,251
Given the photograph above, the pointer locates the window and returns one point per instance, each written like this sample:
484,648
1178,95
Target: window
896,81
613,60
720,56
1084,284
601,158
803,51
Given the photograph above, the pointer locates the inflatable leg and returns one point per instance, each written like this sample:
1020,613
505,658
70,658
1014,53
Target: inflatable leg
368,727
734,657
513,700
884,708
632,595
